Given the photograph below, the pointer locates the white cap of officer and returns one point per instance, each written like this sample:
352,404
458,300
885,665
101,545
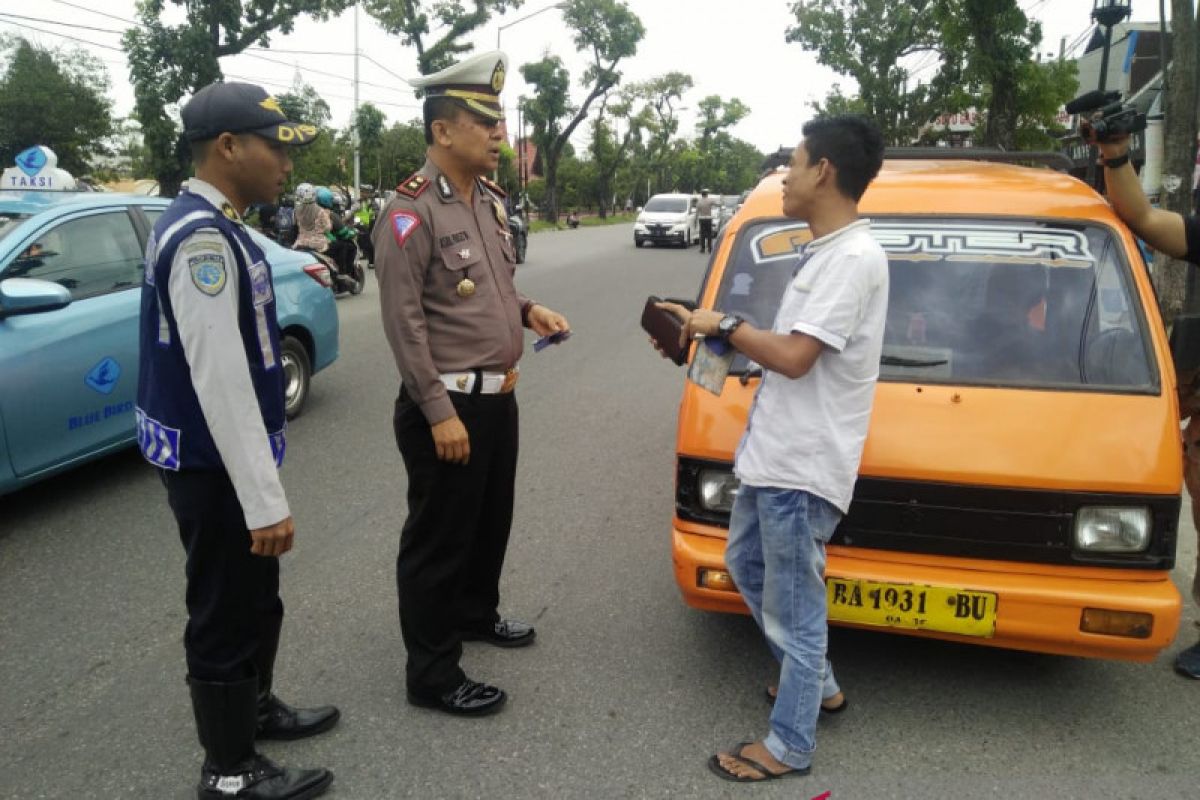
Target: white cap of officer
475,84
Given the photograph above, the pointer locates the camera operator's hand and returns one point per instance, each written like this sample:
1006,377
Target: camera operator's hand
1114,148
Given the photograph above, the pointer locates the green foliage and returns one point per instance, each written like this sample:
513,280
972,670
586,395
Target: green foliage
866,40
610,32
167,62
410,20
57,98
984,51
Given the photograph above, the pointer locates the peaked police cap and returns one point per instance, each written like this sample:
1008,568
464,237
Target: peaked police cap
475,84
240,108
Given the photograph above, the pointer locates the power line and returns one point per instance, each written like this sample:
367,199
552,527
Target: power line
94,11
63,24
62,35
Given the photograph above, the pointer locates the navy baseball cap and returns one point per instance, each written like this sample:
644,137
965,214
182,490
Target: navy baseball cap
240,108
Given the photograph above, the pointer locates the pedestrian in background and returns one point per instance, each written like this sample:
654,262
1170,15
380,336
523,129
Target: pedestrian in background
445,264
210,417
799,456
704,212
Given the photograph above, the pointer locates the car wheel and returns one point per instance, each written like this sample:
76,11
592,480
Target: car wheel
638,243
360,278
522,246
297,374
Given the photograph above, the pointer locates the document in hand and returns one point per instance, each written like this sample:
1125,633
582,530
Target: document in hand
710,367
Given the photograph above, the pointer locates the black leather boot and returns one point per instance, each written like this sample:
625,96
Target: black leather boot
225,722
276,719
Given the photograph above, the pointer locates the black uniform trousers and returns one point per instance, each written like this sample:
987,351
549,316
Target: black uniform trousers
234,609
453,543
706,235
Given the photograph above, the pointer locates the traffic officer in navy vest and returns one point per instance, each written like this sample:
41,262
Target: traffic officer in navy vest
445,263
210,416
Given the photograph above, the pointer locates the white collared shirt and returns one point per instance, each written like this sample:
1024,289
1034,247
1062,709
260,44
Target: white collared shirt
808,433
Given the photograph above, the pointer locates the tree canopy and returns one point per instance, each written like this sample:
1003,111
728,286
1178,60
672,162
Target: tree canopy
58,98
411,20
167,62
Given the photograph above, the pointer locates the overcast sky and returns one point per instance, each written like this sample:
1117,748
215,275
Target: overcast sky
732,48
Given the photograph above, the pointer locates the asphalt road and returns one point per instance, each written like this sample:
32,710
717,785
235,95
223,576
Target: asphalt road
626,692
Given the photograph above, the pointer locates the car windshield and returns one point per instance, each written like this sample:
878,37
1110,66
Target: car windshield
8,222
667,205
977,301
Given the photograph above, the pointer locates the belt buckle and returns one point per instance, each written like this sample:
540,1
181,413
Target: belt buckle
510,380
462,382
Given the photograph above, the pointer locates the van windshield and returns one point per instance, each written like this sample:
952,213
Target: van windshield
977,301
667,205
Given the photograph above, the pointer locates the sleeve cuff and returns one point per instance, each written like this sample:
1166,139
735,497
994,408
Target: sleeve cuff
438,409
267,515
526,307
827,338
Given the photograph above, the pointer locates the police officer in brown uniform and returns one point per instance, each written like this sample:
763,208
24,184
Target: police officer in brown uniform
454,319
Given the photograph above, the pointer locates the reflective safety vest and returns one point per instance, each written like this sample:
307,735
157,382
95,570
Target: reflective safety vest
171,429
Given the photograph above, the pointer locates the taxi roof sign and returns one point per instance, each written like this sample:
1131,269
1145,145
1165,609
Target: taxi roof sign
37,170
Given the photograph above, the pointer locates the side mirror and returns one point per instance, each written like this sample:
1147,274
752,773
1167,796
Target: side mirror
31,296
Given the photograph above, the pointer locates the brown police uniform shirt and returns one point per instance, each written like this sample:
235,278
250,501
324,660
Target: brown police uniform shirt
445,268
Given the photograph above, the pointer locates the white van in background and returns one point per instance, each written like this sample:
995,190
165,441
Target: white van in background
668,219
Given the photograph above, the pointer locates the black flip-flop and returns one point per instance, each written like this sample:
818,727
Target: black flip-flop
824,708
714,765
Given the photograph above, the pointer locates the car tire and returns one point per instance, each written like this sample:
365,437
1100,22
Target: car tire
297,374
638,243
360,278
522,246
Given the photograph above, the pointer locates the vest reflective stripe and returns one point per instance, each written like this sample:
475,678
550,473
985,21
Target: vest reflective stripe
260,316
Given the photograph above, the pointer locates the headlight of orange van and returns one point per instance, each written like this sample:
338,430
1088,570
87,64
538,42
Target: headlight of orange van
717,490
1112,529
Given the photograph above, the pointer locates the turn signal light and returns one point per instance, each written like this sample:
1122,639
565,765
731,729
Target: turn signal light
1131,624
717,579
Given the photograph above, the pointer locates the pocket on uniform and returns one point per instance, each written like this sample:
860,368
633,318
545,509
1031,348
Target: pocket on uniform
461,255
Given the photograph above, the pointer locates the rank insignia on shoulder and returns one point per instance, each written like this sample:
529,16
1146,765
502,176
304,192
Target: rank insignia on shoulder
494,188
501,216
230,212
413,186
208,272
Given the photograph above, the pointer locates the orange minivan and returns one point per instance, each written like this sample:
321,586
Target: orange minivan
1020,484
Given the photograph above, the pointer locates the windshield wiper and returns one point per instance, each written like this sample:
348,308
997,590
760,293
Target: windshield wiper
745,377
897,361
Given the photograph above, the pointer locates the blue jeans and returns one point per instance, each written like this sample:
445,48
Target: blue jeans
776,556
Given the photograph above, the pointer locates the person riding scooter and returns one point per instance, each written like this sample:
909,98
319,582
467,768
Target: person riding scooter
341,246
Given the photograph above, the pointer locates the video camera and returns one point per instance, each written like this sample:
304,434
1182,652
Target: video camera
1104,118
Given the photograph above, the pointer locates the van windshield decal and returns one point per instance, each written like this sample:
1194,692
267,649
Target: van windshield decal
984,302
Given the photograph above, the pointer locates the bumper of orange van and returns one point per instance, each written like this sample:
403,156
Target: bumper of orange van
1039,607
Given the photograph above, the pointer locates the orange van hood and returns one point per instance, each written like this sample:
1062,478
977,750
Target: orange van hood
982,436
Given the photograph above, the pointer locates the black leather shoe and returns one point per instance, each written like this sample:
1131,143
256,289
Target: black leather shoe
468,699
259,778
278,720
505,633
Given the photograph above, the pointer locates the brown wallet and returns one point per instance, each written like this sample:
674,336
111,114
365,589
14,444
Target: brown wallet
665,329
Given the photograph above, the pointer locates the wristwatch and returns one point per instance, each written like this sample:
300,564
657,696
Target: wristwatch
1118,161
728,324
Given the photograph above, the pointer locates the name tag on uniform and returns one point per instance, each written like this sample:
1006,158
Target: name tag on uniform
260,284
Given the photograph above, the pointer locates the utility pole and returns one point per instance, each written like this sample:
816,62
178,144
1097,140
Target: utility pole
354,122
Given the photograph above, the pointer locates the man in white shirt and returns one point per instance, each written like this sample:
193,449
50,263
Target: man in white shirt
798,459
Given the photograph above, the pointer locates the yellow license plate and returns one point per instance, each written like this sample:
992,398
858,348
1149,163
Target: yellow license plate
905,605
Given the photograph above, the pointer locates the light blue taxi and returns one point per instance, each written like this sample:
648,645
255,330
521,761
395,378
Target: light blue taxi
70,288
